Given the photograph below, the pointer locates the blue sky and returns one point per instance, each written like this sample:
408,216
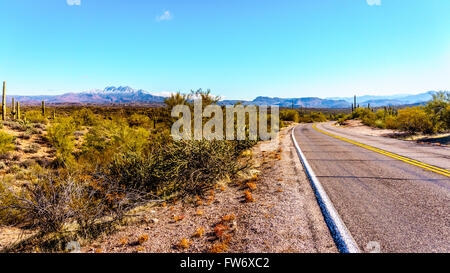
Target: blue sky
238,49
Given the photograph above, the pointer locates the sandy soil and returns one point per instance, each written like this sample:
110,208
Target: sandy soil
284,216
356,126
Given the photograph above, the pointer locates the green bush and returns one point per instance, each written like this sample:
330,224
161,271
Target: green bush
8,215
116,136
415,119
139,120
289,115
186,167
369,118
317,117
437,109
6,142
60,135
35,117
380,124
391,122
85,117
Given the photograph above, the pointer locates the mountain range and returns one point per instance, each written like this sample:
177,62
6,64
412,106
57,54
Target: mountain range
129,96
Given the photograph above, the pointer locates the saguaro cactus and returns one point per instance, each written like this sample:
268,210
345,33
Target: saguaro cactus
43,108
54,114
4,101
354,98
18,110
13,109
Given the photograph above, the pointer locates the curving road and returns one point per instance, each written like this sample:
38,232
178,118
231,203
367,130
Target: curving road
403,207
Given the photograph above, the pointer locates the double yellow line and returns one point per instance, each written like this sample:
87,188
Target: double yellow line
386,153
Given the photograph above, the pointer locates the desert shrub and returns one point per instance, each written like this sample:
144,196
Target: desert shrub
27,163
25,135
39,126
317,117
36,131
35,117
342,119
312,117
8,214
60,135
414,119
32,148
116,136
391,122
289,115
52,200
20,125
187,167
368,118
361,113
437,109
447,117
6,142
85,117
139,120
379,124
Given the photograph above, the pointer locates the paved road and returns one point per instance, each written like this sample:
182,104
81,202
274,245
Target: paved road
403,207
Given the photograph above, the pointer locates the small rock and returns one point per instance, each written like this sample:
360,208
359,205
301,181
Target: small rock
155,221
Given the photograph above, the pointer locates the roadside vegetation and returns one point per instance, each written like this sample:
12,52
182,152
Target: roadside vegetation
432,118
288,116
77,172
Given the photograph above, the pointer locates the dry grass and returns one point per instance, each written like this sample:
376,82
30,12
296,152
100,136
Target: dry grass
248,197
228,217
142,239
199,232
177,218
251,185
184,244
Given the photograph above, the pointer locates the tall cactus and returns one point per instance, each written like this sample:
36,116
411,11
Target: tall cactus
4,102
18,110
43,108
354,104
13,109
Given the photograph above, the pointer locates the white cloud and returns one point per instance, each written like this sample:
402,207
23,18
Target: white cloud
73,2
374,2
166,16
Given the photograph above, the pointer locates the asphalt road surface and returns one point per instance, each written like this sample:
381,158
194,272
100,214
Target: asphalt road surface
400,206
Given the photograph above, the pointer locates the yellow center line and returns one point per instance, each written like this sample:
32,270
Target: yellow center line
392,155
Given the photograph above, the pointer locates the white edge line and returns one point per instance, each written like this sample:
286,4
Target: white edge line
342,237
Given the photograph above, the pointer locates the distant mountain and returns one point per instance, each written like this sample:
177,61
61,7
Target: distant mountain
399,99
109,95
309,102
128,95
